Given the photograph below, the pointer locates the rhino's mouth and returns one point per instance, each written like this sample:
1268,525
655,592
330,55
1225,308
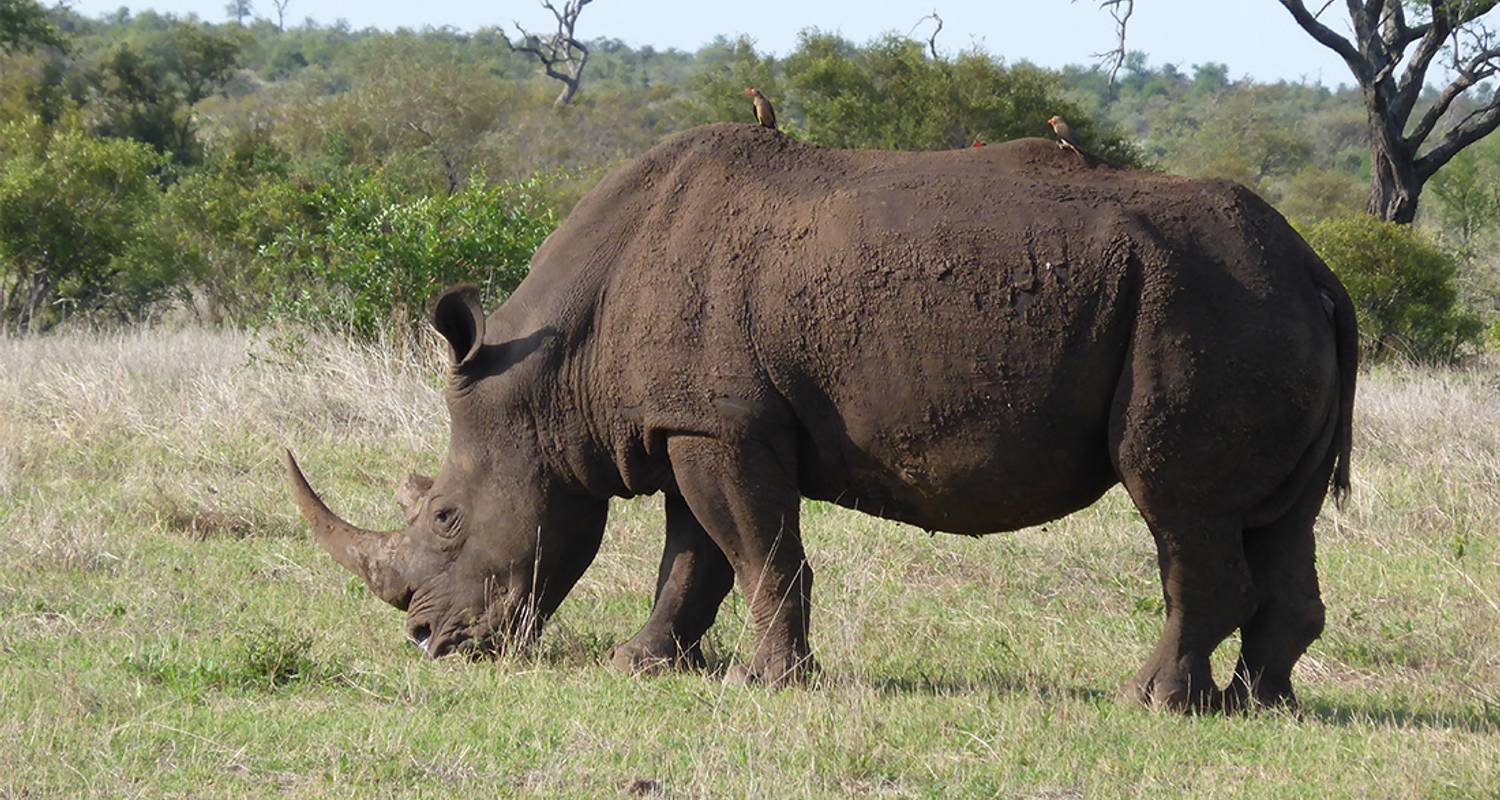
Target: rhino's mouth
420,636
444,641
505,626
431,629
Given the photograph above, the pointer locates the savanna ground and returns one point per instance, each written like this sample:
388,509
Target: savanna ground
168,628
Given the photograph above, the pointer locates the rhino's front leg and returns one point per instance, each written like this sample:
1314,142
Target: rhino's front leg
691,584
745,495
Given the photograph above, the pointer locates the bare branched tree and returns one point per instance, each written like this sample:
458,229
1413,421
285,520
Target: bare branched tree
931,40
561,54
450,170
1401,157
1114,59
1403,153
281,7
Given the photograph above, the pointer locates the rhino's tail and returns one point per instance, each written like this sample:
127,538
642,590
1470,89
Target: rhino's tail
1346,334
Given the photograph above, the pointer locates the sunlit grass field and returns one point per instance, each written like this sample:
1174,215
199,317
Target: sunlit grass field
169,629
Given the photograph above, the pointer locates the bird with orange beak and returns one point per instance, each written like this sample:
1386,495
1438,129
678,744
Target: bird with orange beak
1065,138
763,111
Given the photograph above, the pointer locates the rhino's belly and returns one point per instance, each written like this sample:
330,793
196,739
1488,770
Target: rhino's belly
965,446
982,478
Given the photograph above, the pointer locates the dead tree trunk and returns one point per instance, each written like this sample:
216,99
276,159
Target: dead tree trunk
281,7
561,55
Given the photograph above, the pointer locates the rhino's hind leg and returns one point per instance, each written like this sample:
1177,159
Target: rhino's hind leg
1208,590
1290,615
745,495
690,585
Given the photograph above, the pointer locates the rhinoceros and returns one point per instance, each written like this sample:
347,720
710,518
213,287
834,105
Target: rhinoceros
971,341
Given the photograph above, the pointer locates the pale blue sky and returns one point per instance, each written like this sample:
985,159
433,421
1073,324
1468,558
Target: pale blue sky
1254,37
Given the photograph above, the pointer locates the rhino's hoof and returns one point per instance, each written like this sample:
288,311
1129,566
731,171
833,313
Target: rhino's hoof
638,659
1239,697
637,664
789,673
1166,694
740,675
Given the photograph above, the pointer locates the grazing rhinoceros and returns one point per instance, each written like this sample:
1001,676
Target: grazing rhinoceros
971,341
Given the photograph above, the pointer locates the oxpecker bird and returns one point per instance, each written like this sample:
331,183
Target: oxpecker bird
1065,138
763,111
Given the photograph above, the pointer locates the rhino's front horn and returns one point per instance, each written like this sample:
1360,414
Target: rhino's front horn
368,554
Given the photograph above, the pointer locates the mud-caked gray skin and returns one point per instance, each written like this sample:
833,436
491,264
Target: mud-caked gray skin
970,341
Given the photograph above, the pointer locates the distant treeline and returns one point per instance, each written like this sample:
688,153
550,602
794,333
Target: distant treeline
154,165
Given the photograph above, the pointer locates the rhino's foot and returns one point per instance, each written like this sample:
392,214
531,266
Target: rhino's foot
1172,689
1248,694
654,656
773,672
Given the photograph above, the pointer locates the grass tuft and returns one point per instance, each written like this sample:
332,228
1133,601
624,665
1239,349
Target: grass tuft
269,659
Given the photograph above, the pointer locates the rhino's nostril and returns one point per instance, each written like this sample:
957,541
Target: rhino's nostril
420,635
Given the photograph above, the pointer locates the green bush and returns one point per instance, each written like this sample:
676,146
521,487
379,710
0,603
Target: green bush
77,227
890,94
368,259
220,218
1403,286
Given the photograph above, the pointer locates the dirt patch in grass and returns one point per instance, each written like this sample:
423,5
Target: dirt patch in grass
201,521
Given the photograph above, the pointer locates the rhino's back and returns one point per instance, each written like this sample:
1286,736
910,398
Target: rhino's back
935,326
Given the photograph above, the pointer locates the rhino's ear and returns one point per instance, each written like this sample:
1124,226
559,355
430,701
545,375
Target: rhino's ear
410,493
458,316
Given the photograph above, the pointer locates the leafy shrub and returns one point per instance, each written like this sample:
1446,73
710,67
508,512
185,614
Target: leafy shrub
367,259
890,94
1403,287
271,659
221,217
77,232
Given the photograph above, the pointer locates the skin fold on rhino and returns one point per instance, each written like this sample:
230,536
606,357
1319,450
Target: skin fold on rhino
970,341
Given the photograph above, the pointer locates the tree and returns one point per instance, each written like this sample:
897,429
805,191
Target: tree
716,92
133,99
281,7
1114,58
1243,138
420,115
202,59
1402,159
238,10
24,27
562,55
75,225
1467,191
890,94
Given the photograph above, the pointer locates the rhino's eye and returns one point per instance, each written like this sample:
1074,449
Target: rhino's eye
446,521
